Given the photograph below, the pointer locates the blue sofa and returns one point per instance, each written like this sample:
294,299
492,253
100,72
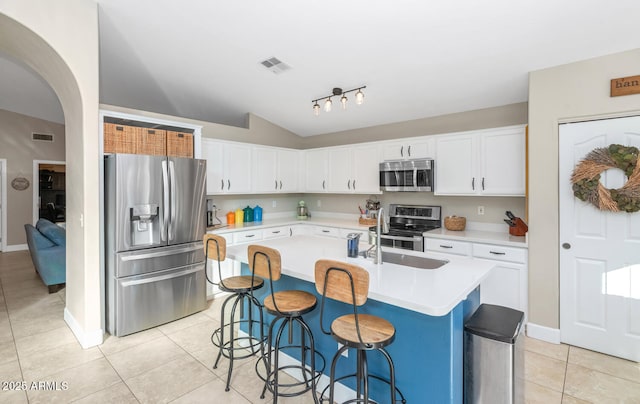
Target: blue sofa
47,245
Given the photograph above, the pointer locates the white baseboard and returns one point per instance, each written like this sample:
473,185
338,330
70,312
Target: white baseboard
540,332
341,392
16,247
86,340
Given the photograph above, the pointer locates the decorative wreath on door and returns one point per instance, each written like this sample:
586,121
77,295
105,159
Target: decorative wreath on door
587,185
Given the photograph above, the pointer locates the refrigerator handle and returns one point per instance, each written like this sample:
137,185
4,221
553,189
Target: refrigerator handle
172,184
164,219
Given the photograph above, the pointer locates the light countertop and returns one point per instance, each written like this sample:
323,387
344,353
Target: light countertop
501,237
432,292
479,236
314,221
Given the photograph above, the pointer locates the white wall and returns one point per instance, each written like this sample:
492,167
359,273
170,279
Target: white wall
572,92
17,147
59,41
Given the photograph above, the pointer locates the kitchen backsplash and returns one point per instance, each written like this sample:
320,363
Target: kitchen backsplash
467,206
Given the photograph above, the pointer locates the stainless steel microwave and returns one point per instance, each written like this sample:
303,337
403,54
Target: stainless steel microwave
407,175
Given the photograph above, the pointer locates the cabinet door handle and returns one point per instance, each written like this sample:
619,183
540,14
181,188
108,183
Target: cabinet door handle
280,184
473,183
497,253
401,149
354,185
323,181
290,232
349,184
446,246
222,184
409,151
276,181
325,231
228,185
249,235
483,183
276,232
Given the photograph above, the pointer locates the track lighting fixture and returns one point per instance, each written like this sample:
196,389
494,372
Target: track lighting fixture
336,92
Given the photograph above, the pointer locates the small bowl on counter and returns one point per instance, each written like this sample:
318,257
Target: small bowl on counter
455,223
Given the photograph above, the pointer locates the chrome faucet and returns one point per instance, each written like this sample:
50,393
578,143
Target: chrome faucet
385,229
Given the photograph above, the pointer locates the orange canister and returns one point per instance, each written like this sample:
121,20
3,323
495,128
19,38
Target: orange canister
231,218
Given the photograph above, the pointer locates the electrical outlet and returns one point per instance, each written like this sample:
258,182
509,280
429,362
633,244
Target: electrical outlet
481,210
274,204
346,351
319,203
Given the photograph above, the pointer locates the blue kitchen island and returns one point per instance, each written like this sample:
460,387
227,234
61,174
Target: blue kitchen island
428,308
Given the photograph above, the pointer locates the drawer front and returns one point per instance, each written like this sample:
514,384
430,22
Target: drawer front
242,237
328,231
500,253
448,246
275,232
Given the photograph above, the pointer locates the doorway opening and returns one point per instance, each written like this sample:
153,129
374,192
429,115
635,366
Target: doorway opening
49,196
3,204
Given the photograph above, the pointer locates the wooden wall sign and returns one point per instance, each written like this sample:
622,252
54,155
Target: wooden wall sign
625,86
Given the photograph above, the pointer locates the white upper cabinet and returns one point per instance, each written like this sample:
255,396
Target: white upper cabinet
486,162
354,169
228,167
503,162
275,170
316,170
409,149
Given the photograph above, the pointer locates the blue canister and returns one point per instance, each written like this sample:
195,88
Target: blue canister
257,214
353,239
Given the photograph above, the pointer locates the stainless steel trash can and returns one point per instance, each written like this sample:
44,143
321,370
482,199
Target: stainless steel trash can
494,356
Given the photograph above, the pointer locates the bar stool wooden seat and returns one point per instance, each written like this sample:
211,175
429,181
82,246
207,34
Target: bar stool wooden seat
241,289
288,307
349,283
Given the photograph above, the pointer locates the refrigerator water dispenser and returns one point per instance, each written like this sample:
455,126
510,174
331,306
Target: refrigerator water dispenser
145,227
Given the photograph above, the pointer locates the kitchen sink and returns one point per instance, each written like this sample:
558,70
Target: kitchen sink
412,260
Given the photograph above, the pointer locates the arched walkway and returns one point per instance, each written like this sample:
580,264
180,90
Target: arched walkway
61,44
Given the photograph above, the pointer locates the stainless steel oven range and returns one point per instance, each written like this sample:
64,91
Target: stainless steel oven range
407,223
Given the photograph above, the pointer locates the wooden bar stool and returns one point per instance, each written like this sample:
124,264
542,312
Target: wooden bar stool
349,284
288,307
241,289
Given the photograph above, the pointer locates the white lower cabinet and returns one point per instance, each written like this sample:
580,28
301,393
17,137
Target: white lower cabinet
302,230
327,231
227,268
277,232
506,285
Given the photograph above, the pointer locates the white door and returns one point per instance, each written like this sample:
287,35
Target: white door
340,169
502,155
264,170
600,251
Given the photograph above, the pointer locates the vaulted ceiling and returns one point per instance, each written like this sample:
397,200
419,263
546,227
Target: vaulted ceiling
201,59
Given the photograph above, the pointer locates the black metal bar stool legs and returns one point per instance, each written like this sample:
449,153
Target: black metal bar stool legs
307,376
233,346
241,288
288,307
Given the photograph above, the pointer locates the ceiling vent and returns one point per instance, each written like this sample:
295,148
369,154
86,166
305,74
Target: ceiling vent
44,137
275,65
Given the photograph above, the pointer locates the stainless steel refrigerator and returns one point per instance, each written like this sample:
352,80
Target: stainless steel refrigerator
155,220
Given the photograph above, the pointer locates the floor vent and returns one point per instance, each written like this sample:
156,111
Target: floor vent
275,65
44,137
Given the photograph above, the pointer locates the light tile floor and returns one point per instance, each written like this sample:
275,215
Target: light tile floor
173,362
